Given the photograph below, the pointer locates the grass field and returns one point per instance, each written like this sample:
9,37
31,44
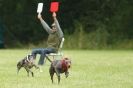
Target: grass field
90,69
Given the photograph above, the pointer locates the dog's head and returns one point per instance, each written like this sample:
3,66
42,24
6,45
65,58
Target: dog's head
30,59
67,62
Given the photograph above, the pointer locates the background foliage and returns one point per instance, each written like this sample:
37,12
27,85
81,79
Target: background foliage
87,24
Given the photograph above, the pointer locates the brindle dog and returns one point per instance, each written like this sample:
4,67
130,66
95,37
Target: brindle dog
27,63
58,67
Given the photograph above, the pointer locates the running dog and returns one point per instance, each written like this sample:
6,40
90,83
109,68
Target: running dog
27,63
59,67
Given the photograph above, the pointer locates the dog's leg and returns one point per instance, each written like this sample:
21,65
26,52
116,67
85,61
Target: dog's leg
19,65
58,78
27,71
51,72
36,66
32,74
18,69
58,75
67,74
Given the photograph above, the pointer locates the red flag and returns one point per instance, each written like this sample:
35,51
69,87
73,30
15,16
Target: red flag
54,6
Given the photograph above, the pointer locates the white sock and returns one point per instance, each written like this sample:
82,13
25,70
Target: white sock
40,67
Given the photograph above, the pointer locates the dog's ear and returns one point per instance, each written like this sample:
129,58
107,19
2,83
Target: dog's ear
69,63
65,58
28,56
32,56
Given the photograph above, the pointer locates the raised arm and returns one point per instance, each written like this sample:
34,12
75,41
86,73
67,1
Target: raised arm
60,33
44,24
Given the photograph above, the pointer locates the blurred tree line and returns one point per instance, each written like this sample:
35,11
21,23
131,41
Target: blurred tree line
87,24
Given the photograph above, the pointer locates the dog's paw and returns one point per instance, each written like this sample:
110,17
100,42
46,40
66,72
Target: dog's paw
67,74
37,68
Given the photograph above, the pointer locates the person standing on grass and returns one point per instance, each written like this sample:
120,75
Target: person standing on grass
53,42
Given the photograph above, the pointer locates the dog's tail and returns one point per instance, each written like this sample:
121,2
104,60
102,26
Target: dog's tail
18,67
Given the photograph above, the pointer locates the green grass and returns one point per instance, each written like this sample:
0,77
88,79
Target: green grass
90,69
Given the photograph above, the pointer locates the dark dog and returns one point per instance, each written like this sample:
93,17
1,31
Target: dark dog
58,67
27,63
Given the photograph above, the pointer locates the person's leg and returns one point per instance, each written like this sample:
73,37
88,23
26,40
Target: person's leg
38,51
41,61
43,54
35,52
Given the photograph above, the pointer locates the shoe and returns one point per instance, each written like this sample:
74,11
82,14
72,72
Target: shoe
41,70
